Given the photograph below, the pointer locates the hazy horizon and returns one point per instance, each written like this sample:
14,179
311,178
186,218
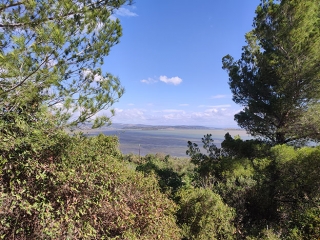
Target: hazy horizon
117,124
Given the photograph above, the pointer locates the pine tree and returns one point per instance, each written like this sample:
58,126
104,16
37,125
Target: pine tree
277,77
51,52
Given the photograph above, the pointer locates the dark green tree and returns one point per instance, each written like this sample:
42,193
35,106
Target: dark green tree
51,52
277,77
207,164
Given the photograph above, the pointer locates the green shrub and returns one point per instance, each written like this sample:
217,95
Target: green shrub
54,186
169,180
203,215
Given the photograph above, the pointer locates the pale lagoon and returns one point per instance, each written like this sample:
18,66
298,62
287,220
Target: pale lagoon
170,141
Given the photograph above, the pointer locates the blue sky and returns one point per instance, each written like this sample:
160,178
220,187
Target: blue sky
169,61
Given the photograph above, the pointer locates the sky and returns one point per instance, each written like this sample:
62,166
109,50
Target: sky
169,61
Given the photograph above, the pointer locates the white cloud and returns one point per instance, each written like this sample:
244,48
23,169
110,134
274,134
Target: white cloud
125,12
88,73
173,111
133,115
215,106
149,81
212,117
169,111
173,80
165,79
215,117
218,96
215,110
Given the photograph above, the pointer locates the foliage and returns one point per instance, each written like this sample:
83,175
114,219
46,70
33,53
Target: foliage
180,165
266,234
203,215
29,154
297,187
55,186
169,180
133,204
51,52
207,165
132,158
75,187
277,77
237,148
236,188
172,172
273,190
227,172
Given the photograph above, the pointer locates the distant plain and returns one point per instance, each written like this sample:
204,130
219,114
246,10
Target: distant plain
170,141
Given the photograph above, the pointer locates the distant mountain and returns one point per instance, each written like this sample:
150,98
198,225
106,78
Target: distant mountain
155,127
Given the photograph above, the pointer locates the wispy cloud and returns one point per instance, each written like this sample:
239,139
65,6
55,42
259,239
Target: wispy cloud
184,105
173,111
149,81
125,12
216,117
218,96
133,115
215,106
165,79
173,80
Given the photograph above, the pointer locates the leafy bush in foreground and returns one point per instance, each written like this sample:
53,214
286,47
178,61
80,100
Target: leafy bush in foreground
203,215
54,186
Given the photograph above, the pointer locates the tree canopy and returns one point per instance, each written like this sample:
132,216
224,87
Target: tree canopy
277,77
51,52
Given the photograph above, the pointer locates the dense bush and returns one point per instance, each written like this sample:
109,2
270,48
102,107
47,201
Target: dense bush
274,190
54,186
203,215
30,152
57,186
169,179
297,190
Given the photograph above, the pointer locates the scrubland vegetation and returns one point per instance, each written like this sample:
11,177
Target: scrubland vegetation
246,190
57,185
